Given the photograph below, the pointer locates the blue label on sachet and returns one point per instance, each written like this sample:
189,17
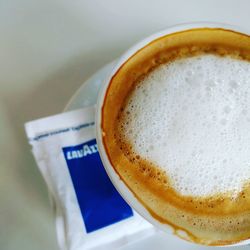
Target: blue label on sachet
100,203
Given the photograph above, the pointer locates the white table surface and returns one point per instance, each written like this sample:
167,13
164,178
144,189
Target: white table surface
47,49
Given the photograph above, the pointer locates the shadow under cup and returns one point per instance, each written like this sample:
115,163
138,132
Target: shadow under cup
210,220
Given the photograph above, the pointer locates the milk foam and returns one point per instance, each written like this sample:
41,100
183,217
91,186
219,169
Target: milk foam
191,117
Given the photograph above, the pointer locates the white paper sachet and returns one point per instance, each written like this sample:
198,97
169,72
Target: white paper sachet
90,213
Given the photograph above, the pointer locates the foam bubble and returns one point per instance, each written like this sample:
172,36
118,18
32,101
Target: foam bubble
189,118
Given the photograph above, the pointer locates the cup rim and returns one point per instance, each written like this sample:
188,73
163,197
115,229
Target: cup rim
121,187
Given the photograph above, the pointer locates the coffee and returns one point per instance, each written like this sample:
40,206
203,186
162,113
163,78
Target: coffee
190,117
175,123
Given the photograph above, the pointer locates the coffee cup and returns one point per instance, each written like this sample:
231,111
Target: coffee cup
202,212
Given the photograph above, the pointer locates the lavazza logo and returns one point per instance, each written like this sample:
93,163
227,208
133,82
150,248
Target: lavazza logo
83,152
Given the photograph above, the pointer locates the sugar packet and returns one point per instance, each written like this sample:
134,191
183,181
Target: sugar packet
90,213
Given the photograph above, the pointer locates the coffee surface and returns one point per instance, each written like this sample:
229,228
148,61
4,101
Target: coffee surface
191,118
175,128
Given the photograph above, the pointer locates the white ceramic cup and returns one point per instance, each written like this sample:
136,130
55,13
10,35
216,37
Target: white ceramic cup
118,183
